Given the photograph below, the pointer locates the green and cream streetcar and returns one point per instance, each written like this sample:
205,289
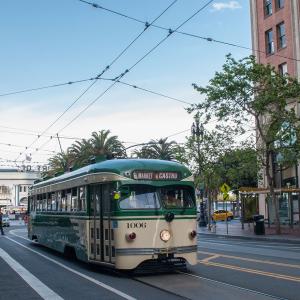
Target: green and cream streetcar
124,213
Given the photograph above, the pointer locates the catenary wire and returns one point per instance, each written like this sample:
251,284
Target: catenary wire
209,39
99,76
134,65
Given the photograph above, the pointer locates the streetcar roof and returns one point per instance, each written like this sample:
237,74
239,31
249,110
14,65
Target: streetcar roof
119,166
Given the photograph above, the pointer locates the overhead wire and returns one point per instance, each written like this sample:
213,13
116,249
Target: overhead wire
209,39
147,25
134,65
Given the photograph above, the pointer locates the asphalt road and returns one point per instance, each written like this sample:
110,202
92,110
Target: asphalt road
226,269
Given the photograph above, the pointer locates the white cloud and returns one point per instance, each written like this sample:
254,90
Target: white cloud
226,5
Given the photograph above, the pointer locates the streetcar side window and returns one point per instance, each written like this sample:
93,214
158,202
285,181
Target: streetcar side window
82,198
53,202
69,200
74,203
59,201
49,202
44,202
63,201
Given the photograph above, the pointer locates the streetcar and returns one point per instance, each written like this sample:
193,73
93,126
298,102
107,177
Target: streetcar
122,213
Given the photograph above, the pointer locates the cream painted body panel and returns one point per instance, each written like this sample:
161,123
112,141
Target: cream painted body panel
129,254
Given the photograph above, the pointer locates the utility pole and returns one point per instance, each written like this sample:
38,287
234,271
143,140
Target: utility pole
197,131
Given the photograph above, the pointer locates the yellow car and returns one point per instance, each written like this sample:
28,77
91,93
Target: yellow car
222,215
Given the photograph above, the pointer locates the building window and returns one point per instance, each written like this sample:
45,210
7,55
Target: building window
268,7
269,42
281,35
282,69
279,4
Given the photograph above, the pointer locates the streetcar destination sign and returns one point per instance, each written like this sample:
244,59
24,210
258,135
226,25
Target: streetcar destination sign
150,175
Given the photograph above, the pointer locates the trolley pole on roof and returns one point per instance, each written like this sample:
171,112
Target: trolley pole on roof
197,131
61,150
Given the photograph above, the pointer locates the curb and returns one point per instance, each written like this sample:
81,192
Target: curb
242,237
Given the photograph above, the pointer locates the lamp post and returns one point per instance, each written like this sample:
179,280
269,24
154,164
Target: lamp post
197,131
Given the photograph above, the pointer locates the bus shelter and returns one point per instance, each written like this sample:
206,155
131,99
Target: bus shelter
258,201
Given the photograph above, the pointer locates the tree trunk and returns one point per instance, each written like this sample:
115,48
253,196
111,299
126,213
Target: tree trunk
271,183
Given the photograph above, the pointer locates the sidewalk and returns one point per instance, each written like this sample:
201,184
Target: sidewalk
235,231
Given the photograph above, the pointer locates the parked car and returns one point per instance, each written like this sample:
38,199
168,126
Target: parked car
5,221
222,215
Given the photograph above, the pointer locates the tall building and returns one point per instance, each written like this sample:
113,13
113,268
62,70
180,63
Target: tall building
275,32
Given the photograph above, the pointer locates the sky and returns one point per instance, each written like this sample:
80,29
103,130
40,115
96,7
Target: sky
51,42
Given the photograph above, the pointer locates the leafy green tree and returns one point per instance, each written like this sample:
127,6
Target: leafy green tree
245,91
238,168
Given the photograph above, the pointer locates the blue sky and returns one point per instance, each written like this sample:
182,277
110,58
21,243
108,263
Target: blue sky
48,42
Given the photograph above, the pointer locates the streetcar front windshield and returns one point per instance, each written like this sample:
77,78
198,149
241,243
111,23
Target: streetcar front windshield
176,197
148,197
140,197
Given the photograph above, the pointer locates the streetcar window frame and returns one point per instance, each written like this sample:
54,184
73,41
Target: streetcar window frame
71,201
174,188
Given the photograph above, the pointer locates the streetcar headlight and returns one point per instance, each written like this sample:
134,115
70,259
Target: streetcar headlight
131,236
193,234
165,235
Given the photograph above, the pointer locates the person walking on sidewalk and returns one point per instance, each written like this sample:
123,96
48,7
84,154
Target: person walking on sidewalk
1,227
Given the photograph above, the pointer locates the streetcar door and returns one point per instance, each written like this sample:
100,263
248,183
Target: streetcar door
96,224
101,235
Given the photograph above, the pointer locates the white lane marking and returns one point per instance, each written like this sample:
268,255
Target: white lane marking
209,258
34,282
103,285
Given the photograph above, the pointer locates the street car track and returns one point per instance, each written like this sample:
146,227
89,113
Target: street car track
231,285
153,285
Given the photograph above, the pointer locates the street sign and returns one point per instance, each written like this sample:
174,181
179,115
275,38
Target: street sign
225,196
225,188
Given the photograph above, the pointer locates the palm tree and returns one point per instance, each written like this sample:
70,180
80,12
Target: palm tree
60,163
159,149
82,151
105,145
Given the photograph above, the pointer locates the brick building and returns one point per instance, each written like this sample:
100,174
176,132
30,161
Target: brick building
275,32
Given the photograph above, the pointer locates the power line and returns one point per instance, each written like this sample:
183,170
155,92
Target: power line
153,92
208,39
45,87
115,80
104,70
135,64
18,146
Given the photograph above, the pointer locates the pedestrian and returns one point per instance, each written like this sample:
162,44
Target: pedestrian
1,227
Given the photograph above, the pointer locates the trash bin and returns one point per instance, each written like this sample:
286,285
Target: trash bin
259,224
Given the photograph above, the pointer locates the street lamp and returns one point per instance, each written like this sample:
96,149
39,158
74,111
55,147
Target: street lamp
197,131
